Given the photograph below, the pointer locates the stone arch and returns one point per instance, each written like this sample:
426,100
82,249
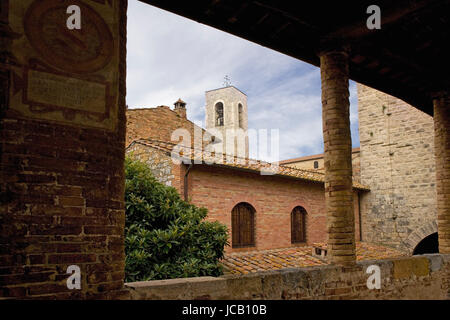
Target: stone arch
419,234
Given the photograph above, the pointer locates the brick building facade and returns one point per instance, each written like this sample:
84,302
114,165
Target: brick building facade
220,187
395,160
316,162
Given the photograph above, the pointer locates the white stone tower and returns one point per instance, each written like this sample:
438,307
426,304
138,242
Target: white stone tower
227,118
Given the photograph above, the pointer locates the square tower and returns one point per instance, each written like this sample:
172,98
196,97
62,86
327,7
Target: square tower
227,119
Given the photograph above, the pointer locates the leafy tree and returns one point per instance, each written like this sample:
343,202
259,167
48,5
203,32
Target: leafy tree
166,237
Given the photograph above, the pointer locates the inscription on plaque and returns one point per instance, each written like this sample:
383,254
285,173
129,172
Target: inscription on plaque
49,89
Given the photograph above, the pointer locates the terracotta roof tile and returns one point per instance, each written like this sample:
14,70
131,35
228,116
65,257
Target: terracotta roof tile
254,261
202,156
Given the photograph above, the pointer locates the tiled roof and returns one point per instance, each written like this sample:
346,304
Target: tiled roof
247,262
312,157
202,156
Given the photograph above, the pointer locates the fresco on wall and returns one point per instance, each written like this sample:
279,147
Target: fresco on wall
64,75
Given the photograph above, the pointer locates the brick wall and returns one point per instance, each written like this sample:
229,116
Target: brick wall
425,277
220,189
61,170
157,123
397,162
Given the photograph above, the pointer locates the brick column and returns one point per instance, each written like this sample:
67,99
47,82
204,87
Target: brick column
442,152
337,157
61,167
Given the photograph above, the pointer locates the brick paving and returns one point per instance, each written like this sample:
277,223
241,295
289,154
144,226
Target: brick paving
255,261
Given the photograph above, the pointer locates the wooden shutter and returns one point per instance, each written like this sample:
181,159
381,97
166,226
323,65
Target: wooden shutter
235,226
243,225
298,225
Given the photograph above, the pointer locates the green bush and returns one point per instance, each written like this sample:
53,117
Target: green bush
166,237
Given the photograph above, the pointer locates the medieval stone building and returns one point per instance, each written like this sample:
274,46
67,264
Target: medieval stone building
227,117
396,160
279,210
398,163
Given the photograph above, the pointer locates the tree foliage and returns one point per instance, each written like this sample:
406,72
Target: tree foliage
166,237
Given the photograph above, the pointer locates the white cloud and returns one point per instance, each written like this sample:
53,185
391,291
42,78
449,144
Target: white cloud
170,57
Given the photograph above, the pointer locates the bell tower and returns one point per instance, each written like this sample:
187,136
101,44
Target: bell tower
227,118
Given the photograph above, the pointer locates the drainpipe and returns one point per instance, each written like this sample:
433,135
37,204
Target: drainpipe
186,193
359,216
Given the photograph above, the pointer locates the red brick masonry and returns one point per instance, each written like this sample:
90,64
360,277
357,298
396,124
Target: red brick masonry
220,187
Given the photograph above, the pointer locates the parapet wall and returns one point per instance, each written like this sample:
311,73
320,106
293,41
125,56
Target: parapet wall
417,277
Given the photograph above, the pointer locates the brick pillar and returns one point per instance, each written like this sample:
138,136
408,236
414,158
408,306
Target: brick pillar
442,152
337,157
62,139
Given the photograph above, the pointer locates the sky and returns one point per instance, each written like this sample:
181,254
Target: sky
171,57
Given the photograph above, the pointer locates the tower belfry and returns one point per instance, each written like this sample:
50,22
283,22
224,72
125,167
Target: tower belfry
227,115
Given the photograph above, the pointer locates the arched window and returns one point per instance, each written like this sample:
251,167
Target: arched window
241,115
219,114
243,225
298,225
316,164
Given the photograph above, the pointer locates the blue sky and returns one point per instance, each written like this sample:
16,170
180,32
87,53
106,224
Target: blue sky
171,57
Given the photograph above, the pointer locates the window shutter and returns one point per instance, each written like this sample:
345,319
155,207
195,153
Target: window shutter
298,229
243,225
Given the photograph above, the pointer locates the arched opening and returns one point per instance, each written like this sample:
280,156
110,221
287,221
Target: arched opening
219,114
429,244
298,225
243,225
316,164
241,115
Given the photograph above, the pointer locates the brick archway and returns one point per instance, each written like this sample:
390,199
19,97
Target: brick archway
299,203
419,234
243,198
309,218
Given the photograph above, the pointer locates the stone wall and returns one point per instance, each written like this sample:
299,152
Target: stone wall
159,162
231,97
62,136
424,277
397,162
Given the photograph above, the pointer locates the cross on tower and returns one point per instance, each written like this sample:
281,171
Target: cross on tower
227,81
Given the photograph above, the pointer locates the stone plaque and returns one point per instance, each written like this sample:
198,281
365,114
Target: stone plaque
52,90
61,75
